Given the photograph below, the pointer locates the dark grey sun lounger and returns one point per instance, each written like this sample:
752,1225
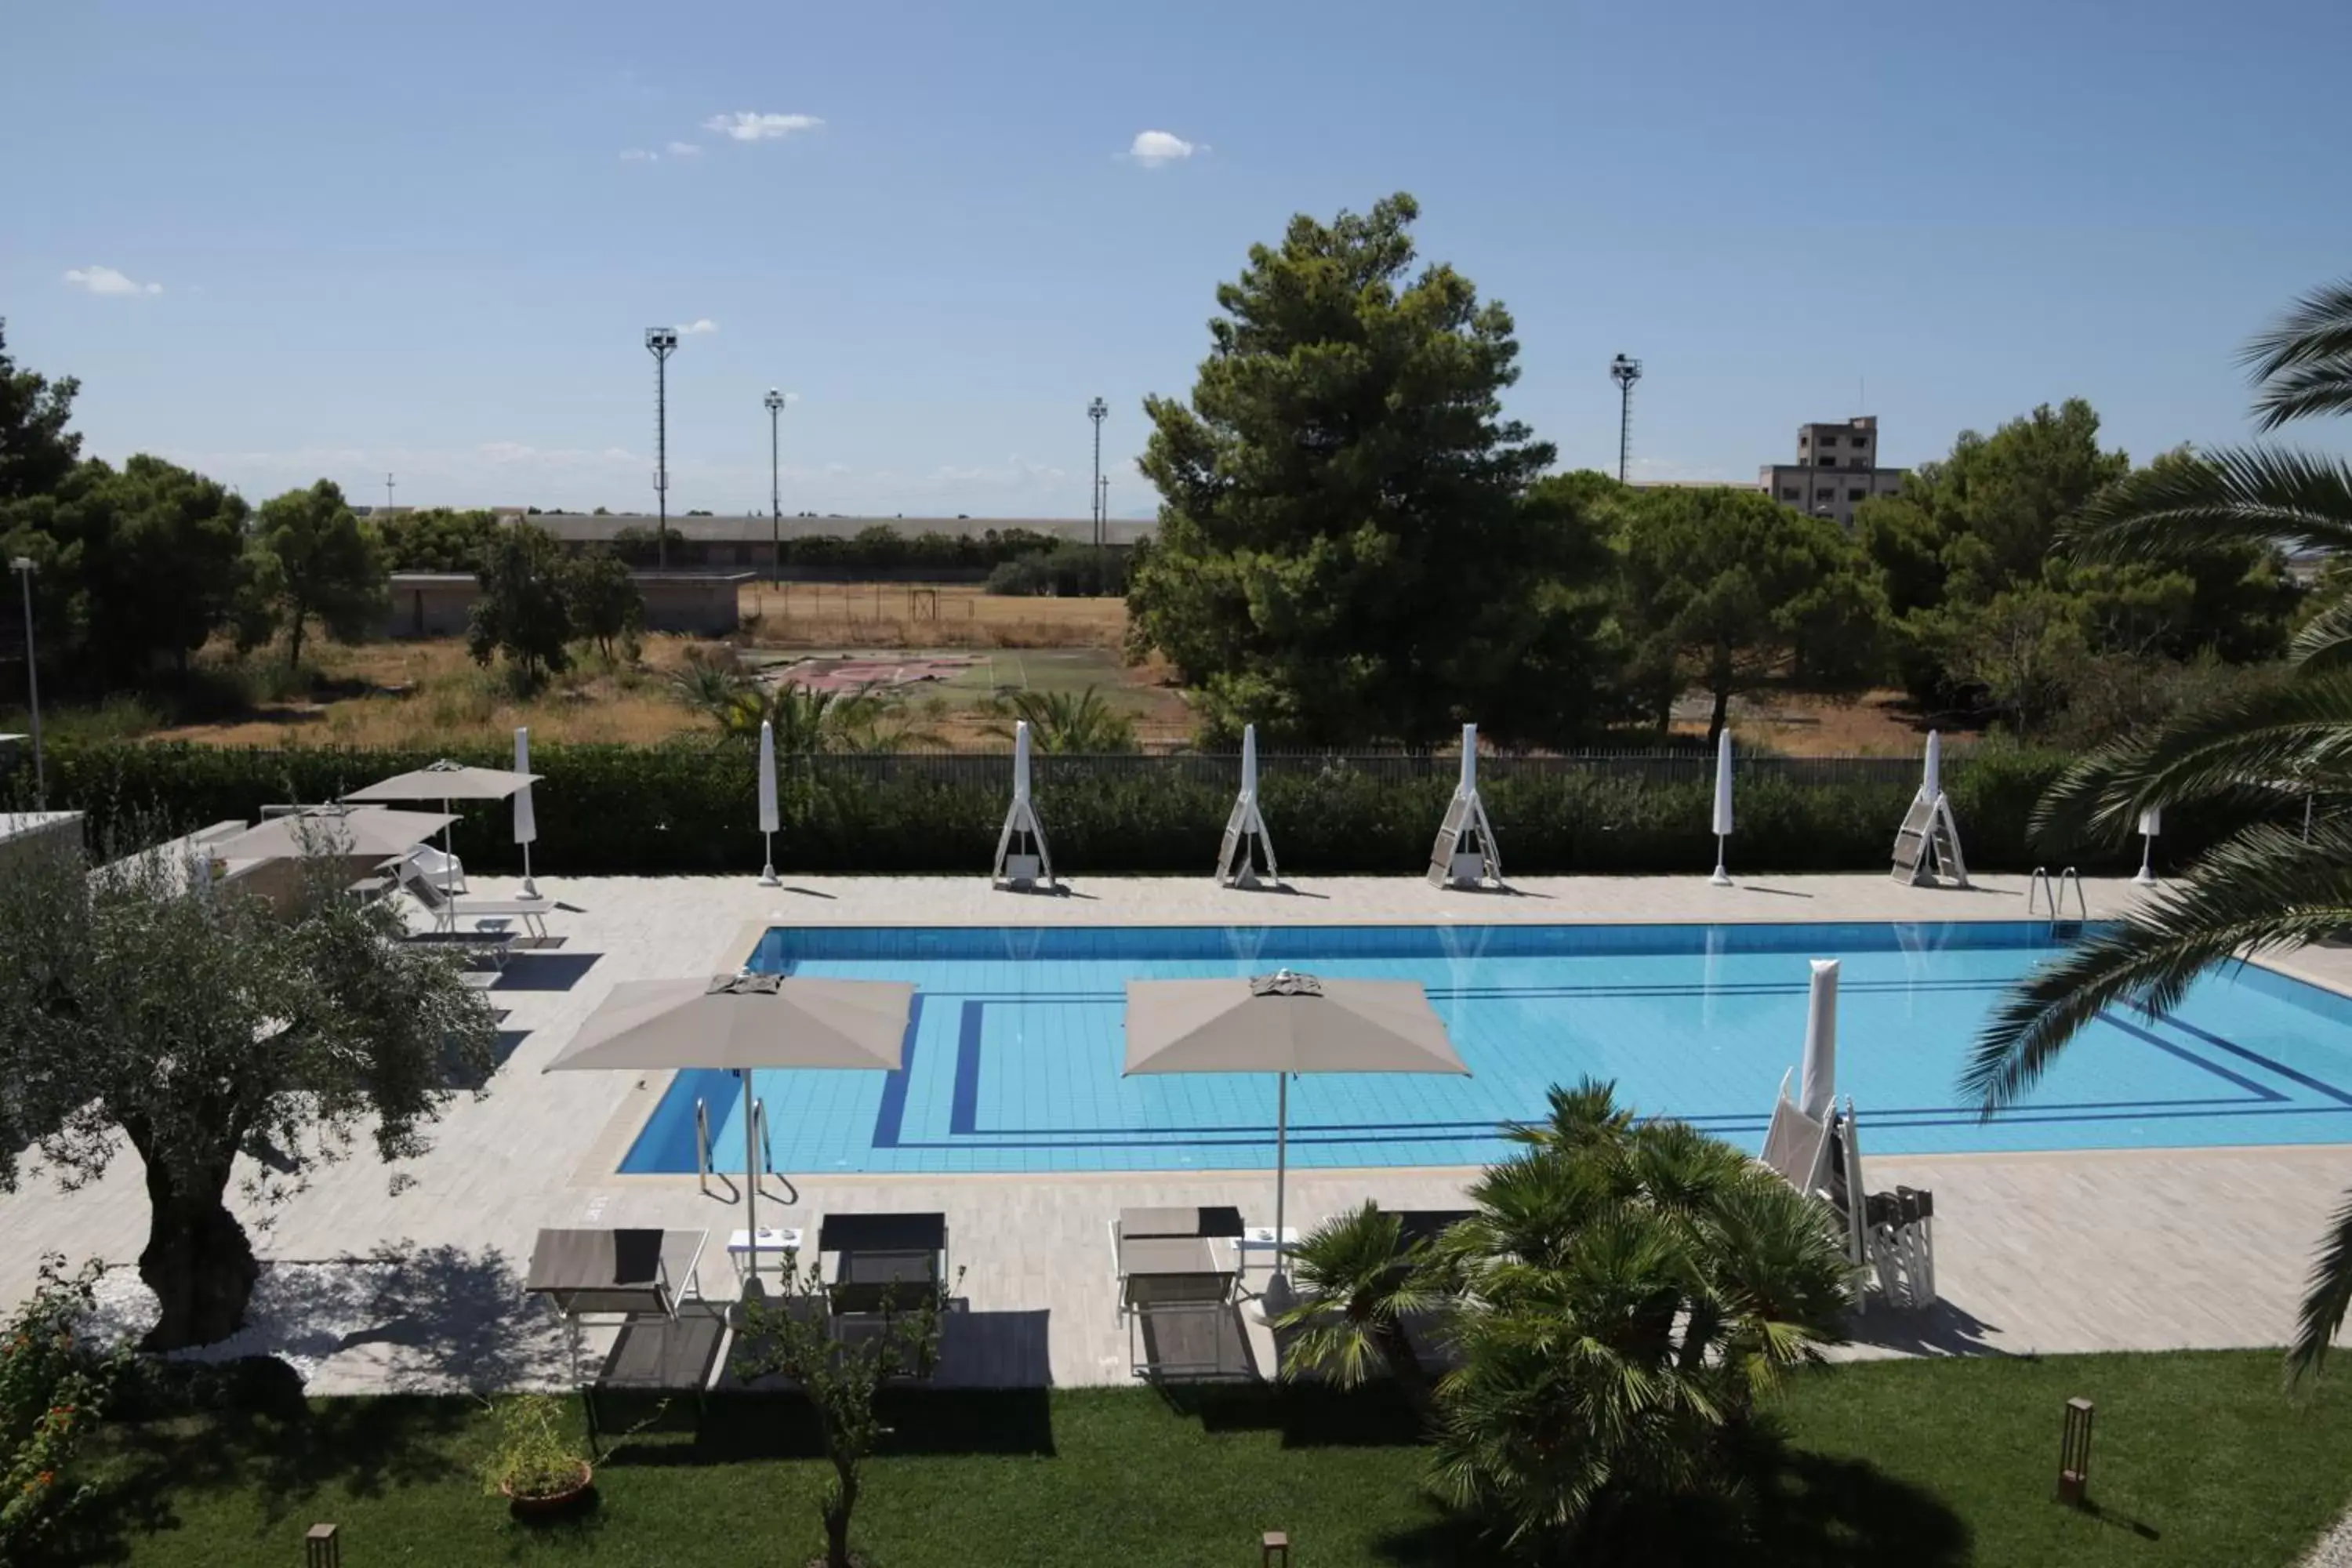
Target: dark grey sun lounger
887,1261
1176,1273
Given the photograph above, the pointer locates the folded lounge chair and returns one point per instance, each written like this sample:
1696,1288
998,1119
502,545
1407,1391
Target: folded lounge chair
1889,1239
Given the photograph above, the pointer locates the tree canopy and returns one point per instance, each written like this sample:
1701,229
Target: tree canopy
1347,547
1725,589
310,559
135,564
521,611
215,1033
37,450
1971,549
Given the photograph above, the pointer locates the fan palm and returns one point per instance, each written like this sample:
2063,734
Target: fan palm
1359,1285
1083,723
1627,1290
2265,887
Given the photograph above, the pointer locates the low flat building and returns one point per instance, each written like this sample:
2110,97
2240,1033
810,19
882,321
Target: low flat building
1836,470
441,604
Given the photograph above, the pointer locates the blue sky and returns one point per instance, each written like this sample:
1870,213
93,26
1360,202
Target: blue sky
278,241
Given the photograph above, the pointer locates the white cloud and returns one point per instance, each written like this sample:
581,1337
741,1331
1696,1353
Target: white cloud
744,125
1152,149
107,281
682,149
697,328
639,155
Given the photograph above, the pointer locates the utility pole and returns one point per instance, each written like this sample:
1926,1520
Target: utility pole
776,406
662,342
1098,411
1625,372
387,492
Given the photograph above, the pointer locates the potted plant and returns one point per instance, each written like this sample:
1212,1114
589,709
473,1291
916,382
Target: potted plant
532,1463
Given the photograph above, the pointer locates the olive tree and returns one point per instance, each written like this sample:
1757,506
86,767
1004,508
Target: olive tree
221,1037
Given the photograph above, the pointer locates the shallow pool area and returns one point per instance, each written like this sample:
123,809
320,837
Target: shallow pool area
1012,1057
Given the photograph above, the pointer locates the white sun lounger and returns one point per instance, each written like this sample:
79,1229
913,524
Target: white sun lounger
447,911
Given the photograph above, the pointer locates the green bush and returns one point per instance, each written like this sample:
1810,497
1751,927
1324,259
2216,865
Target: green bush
690,806
1069,570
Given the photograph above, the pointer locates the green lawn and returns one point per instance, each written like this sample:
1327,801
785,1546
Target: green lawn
2199,1461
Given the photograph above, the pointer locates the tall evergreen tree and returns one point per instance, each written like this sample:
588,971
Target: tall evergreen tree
1347,548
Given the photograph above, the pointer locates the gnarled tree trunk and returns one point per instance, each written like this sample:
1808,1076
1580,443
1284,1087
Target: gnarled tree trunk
198,1260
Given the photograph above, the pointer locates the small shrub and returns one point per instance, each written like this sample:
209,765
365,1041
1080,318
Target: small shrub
532,1455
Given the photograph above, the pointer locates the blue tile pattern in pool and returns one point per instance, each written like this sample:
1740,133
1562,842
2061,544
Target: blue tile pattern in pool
1012,1057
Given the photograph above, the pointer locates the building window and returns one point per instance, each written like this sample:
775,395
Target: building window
1825,494
1829,462
1790,492
1855,495
1828,440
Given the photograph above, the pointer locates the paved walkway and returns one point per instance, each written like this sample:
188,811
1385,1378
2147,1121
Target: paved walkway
2036,1252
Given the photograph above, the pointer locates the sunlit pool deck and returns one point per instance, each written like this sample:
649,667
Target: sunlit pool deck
2038,1249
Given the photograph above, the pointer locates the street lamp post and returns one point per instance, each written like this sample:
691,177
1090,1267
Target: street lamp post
661,342
1098,411
776,406
22,566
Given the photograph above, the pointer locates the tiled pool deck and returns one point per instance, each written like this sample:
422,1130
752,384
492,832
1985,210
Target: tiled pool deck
2048,1252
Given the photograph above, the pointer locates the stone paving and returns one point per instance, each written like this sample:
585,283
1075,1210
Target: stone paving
2043,1252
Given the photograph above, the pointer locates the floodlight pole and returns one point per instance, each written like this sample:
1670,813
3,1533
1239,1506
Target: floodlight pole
1625,372
774,401
661,342
22,566
1098,411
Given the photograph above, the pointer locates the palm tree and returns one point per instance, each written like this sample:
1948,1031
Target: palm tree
1627,1290
1359,1285
709,686
2264,888
1059,722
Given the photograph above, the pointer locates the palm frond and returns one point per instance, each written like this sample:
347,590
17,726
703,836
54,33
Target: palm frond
2304,364
2324,643
2263,889
2238,496
2327,1297
2248,745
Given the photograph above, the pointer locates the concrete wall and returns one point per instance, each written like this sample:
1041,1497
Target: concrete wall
439,604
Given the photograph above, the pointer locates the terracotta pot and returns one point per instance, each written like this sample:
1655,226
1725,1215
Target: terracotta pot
552,1502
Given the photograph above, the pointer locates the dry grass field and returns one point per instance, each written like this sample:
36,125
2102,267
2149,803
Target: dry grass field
922,616
430,692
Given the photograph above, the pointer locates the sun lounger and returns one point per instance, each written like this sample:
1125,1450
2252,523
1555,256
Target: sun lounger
444,871
491,946
448,911
1176,1294
645,1279
886,1261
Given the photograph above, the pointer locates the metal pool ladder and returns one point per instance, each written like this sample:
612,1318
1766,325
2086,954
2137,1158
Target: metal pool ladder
701,1143
2040,889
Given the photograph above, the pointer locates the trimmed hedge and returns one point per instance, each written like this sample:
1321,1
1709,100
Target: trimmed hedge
690,807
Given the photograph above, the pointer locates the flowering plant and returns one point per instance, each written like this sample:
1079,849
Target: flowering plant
52,1382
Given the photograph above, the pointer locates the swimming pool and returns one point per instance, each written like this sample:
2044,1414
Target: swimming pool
1012,1059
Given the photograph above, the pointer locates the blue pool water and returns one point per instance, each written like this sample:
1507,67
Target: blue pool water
1012,1058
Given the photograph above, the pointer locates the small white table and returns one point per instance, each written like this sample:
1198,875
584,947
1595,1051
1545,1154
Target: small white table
744,1255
